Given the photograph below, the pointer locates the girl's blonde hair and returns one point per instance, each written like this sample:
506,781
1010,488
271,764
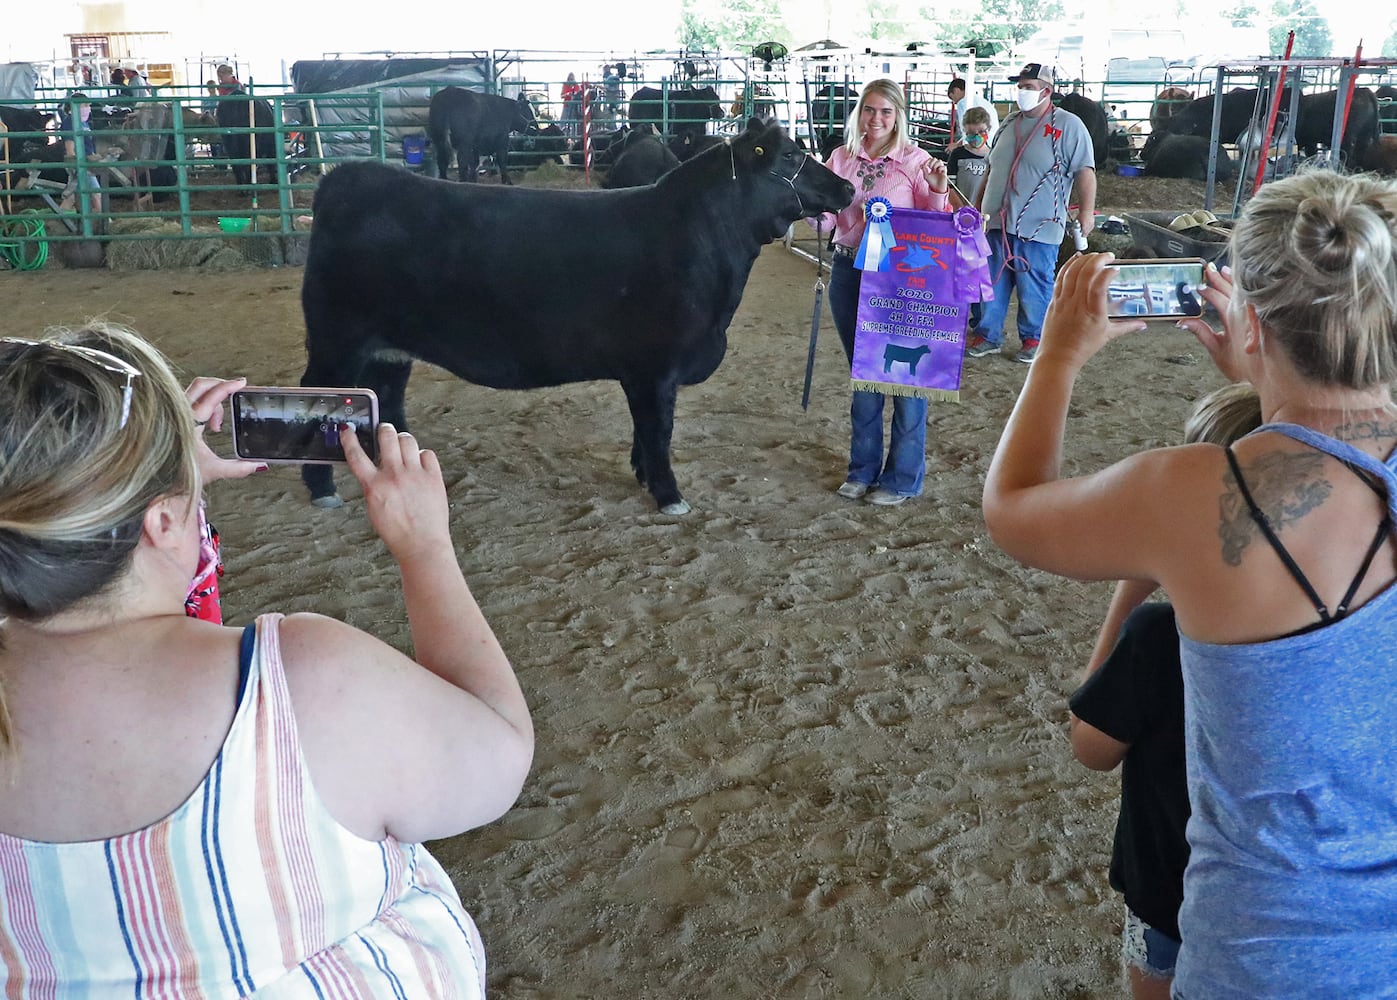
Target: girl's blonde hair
1316,255
892,93
77,471
1224,415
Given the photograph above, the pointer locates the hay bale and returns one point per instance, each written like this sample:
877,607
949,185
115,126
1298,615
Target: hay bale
149,252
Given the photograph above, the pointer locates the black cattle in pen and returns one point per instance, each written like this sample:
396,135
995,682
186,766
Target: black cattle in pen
403,267
475,125
1183,156
640,159
1314,126
830,109
547,144
685,146
685,110
1093,116
25,120
241,127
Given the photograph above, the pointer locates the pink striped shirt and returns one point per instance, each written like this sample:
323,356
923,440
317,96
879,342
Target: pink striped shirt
249,887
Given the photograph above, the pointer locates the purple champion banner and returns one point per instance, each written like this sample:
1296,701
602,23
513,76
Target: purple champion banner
910,334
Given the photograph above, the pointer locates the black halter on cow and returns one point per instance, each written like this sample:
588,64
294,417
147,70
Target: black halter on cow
475,125
403,267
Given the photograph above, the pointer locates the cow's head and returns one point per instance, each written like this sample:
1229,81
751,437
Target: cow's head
524,120
800,185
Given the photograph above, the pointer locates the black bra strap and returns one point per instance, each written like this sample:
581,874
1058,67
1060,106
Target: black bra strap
1264,523
1384,529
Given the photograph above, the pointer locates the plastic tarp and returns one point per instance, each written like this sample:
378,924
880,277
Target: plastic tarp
405,96
18,82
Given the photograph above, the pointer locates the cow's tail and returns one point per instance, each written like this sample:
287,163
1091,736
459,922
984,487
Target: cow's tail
437,128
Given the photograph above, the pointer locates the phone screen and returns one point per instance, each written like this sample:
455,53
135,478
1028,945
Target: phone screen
1156,289
272,424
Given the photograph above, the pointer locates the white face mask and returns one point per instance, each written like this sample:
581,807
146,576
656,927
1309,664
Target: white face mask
1029,99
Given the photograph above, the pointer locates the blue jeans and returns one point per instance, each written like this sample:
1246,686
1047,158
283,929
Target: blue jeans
1032,269
905,467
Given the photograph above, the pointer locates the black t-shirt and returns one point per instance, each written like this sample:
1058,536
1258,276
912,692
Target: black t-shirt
1137,697
967,171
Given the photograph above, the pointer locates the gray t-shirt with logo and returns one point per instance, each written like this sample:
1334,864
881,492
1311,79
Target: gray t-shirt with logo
1032,164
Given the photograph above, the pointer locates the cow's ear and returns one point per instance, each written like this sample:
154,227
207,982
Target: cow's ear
755,124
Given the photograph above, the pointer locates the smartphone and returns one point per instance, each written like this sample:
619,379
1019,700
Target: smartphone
1156,289
300,424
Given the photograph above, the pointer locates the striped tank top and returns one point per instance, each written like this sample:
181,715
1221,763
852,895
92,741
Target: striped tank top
249,887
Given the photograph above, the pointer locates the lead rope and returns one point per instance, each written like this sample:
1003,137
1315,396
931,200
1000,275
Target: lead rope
819,301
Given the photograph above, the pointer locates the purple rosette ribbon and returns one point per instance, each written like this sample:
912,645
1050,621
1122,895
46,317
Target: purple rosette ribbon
972,271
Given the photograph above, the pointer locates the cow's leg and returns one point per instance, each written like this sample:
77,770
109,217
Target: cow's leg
388,379
331,366
652,412
502,159
320,479
442,150
467,161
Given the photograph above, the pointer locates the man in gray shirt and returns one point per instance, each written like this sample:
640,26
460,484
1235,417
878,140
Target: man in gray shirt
1040,153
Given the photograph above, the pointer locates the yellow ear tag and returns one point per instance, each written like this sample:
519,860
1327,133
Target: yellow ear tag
760,151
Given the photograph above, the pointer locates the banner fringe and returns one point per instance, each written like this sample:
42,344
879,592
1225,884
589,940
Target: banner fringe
894,389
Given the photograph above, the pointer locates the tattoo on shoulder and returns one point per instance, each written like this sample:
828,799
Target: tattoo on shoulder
1366,430
1285,485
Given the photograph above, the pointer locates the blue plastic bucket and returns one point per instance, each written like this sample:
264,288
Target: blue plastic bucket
413,148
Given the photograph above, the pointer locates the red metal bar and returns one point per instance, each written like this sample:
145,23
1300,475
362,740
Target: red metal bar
1348,96
1271,118
586,132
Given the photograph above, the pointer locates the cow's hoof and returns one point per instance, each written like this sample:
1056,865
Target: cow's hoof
676,509
329,502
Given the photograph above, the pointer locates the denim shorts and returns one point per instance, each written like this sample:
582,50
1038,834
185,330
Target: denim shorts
1151,951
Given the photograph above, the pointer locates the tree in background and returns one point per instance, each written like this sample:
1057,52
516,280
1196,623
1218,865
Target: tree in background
1242,14
730,25
1389,44
1005,21
1312,36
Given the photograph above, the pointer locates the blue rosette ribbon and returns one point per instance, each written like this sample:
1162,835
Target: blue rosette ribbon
878,237
972,271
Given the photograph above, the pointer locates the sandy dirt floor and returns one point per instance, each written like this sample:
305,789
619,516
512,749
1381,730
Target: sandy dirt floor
788,745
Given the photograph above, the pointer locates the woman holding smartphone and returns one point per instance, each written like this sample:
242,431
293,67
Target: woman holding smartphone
1278,556
196,810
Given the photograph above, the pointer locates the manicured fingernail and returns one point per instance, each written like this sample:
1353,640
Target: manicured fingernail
262,467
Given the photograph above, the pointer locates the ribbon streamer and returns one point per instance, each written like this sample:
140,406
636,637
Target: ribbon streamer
972,271
878,237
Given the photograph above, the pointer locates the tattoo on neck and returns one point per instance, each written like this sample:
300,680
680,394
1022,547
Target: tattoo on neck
1285,485
1366,430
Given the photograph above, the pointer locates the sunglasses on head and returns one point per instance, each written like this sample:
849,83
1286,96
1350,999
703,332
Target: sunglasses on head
102,359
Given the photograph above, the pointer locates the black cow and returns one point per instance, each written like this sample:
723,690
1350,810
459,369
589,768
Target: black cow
600,143
685,146
641,159
548,143
1167,103
1185,156
1313,128
402,267
25,120
232,116
690,109
1093,116
475,125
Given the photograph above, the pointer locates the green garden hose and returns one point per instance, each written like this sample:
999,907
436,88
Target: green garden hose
19,243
